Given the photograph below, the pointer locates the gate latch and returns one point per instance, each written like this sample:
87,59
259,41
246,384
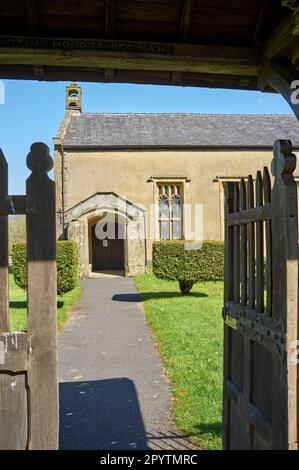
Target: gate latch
228,319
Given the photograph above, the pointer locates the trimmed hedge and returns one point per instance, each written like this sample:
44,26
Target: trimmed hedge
19,257
67,265
176,260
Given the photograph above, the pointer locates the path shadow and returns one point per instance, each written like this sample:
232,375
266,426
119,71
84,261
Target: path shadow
23,304
170,440
101,415
135,297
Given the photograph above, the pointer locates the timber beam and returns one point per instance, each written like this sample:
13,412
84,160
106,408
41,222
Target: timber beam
284,42
31,15
185,23
262,16
184,31
129,55
284,78
109,30
109,18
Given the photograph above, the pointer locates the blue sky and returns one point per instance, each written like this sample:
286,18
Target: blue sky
33,111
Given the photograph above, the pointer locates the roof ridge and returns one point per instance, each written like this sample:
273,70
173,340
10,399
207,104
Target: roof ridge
189,114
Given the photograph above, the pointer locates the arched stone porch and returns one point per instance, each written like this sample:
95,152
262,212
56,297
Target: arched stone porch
111,209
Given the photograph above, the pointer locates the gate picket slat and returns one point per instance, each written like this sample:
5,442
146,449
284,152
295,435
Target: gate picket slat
243,246
236,245
251,301
4,294
228,295
251,247
268,241
259,248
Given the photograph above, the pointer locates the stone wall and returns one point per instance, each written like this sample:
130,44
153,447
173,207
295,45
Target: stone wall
132,174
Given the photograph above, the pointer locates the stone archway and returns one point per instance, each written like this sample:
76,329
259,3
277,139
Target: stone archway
128,218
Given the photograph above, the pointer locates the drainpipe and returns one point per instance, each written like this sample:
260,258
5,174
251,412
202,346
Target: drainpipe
145,242
62,196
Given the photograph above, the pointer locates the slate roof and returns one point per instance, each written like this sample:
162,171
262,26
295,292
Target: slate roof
179,130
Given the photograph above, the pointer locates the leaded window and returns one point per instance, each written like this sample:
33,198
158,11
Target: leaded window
170,211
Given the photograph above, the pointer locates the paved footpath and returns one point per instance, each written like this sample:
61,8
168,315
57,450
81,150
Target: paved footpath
113,393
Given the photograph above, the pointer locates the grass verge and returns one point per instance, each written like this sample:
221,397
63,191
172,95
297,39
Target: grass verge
188,331
18,306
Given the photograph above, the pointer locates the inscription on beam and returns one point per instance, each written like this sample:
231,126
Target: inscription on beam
87,44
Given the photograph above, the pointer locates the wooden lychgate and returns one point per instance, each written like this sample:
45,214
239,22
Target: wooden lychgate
28,360
261,308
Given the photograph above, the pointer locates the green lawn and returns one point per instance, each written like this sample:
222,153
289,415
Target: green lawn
188,331
18,306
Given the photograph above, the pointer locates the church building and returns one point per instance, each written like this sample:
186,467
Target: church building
125,180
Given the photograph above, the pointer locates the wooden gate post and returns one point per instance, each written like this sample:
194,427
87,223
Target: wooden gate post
285,292
42,343
4,318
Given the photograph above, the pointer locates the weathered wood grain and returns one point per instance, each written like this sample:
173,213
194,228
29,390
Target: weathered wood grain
282,38
260,399
236,246
282,75
251,412
251,246
228,295
243,249
12,205
250,215
13,411
4,315
131,55
172,21
260,285
42,343
185,22
13,352
268,242
285,292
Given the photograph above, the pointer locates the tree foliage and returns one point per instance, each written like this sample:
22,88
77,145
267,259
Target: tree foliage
177,260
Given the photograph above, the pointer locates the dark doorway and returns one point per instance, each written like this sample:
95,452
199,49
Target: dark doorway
109,253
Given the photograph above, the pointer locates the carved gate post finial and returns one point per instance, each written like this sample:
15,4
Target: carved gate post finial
3,174
39,159
284,161
3,162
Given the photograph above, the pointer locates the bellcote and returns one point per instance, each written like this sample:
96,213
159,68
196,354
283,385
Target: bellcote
73,97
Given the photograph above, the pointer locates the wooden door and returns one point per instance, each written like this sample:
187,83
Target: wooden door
261,309
107,254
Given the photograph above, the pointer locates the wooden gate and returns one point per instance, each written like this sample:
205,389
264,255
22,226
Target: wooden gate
261,308
28,360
